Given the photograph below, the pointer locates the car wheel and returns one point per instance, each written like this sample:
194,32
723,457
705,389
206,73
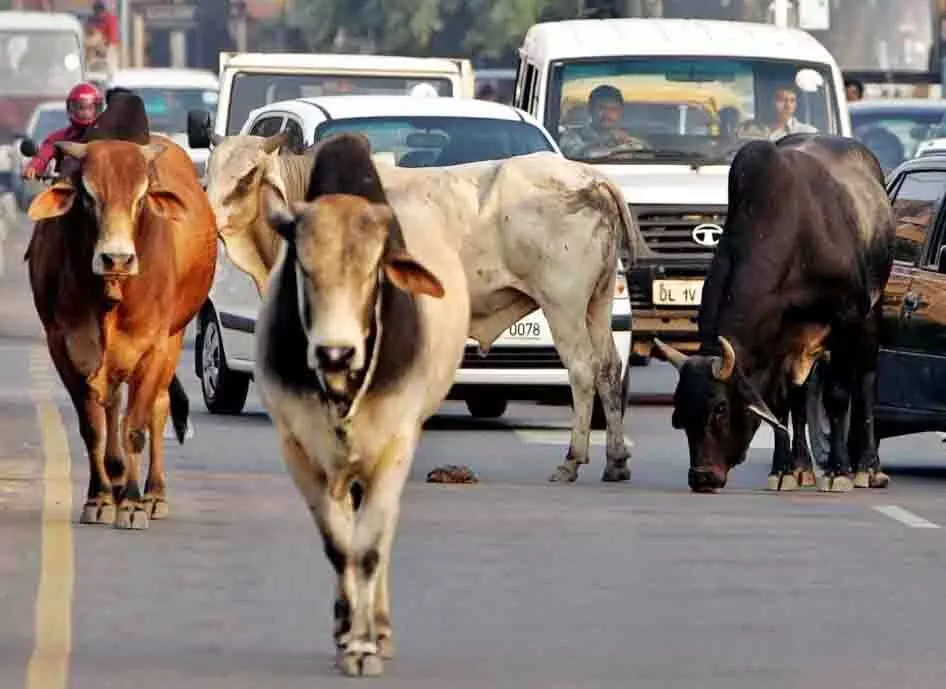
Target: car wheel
486,407
224,390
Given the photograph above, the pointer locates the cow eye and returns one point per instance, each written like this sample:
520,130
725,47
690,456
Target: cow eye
719,411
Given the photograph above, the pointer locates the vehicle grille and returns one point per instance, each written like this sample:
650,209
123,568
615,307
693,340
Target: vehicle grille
668,230
530,356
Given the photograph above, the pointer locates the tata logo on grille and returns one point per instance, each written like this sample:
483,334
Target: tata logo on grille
707,234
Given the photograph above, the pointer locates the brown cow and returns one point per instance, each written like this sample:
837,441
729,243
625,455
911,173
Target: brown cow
122,257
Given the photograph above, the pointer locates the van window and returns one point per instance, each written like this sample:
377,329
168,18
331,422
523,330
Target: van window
628,110
253,90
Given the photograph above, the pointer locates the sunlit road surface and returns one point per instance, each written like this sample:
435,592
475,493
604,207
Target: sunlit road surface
511,582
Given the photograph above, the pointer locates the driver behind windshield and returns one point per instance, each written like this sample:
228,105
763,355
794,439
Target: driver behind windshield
786,103
605,130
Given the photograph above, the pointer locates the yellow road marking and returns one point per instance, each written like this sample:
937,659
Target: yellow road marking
52,638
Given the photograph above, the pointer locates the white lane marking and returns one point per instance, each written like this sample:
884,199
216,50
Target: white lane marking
905,517
562,437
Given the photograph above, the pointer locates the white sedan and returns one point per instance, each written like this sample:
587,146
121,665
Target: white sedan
522,363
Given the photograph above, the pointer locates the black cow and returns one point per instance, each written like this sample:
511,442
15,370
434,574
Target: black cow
799,272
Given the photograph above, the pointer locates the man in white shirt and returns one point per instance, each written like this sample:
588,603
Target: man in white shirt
786,103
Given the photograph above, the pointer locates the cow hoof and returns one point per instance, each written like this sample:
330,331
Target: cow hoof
879,480
835,484
783,482
360,664
131,518
862,479
97,512
157,507
807,479
616,472
386,647
565,473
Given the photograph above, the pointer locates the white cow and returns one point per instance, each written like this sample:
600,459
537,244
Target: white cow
535,231
360,334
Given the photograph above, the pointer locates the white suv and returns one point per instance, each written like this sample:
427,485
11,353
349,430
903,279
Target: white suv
522,363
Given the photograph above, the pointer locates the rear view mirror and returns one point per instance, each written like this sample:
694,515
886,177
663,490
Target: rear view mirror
941,260
28,148
198,129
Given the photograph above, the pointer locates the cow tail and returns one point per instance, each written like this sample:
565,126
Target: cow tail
180,408
634,243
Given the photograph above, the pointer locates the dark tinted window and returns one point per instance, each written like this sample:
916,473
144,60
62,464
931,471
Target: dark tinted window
267,126
438,141
167,107
894,135
915,206
250,91
296,142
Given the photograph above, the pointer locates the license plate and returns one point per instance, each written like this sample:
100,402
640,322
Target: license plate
677,292
525,330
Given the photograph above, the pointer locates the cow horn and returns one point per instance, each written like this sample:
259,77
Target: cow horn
672,355
274,142
724,366
72,148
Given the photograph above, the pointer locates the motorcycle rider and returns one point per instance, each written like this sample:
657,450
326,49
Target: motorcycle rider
83,106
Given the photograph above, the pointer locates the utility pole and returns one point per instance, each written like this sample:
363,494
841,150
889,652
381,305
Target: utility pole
781,10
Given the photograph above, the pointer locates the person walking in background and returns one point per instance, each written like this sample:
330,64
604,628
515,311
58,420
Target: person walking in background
102,39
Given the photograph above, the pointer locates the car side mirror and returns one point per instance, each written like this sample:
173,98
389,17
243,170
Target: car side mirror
941,260
28,148
198,128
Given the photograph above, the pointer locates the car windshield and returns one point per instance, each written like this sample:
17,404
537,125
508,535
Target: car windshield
251,91
638,110
36,63
49,120
167,107
893,135
439,141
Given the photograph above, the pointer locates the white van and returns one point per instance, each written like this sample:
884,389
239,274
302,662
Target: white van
683,95
252,80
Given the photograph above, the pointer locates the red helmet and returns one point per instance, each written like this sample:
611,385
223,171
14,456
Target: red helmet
80,97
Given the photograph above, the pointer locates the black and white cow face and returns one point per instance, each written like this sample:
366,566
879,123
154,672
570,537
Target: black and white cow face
720,411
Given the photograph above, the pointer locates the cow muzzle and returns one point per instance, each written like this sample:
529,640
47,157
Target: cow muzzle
338,366
115,259
706,480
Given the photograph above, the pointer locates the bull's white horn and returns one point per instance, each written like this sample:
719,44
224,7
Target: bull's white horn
672,355
724,366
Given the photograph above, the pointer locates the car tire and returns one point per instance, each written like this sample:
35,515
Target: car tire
486,407
223,389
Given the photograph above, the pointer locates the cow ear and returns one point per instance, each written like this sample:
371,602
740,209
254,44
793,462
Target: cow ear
279,215
409,275
53,202
166,204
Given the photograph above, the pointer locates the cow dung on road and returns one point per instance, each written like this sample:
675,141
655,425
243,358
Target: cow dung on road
452,473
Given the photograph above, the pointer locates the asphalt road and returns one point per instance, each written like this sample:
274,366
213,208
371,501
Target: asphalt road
512,582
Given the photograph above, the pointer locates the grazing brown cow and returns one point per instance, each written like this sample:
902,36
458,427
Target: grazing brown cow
122,257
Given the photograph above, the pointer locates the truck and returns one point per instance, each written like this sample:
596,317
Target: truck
684,94
251,80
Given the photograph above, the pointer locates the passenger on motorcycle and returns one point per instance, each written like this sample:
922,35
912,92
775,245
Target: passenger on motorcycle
83,105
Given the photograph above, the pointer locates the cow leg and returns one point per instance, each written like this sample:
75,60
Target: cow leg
143,391
375,524
114,459
99,506
801,454
862,440
334,520
609,387
573,343
155,498
781,477
837,386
